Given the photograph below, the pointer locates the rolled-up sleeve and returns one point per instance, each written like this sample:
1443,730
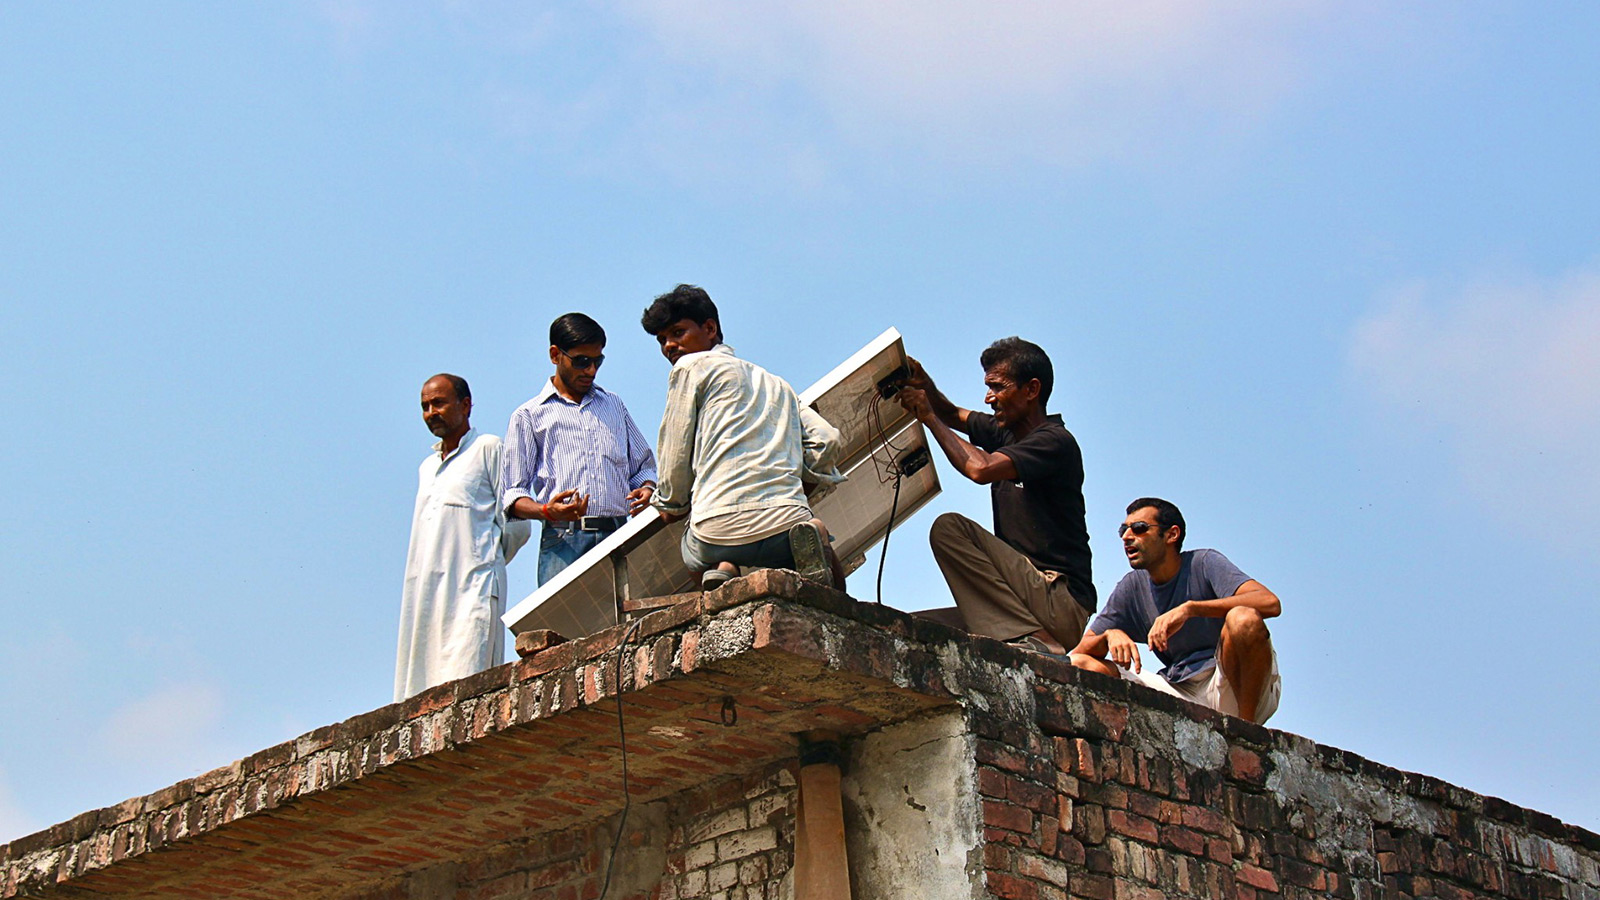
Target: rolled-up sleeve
517,460
675,463
819,445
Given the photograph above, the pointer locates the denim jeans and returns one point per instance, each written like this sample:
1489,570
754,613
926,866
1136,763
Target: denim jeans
561,547
768,553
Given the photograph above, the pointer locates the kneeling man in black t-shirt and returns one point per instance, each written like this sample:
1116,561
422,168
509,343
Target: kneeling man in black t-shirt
1029,581
1199,613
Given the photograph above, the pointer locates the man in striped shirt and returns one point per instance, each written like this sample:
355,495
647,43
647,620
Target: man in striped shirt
573,457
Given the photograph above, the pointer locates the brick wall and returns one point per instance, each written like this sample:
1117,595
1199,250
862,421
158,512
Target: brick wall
1120,792
730,840
734,842
972,770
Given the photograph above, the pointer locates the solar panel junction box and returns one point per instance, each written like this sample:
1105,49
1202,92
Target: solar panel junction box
890,384
912,461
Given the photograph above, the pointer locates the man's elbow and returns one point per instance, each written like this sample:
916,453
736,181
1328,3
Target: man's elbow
1270,607
988,472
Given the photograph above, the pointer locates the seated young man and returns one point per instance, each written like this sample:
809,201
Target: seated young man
1202,616
735,453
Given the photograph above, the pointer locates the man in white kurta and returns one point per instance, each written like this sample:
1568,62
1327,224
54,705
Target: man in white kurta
455,583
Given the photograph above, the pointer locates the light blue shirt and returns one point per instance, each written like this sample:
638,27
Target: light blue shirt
734,439
592,446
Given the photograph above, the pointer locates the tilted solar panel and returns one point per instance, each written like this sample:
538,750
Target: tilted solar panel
641,559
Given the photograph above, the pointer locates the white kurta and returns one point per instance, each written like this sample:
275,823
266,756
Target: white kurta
455,584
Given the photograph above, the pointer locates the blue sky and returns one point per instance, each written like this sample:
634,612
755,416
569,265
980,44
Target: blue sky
1325,274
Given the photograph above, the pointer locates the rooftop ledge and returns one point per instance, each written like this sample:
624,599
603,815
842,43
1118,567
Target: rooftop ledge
715,684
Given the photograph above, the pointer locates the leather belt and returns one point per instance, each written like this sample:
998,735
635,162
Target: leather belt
591,523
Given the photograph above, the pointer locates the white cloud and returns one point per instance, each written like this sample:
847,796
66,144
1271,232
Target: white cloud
1042,79
803,93
172,730
1511,373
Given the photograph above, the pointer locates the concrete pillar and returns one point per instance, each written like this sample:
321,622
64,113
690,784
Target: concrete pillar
821,865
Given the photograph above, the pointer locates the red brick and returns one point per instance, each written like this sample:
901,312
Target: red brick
1092,887
1144,804
1257,877
1128,890
1219,850
1013,888
1075,756
1049,832
1179,838
1034,796
1134,826
1113,717
1202,819
992,782
1070,850
1004,815
1245,765
688,650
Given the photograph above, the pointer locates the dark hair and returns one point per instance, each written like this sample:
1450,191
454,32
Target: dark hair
1023,361
686,301
575,330
1167,515
457,382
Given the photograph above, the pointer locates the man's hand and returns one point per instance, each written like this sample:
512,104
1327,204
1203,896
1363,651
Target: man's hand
917,377
1121,649
566,506
669,518
915,401
639,499
1166,625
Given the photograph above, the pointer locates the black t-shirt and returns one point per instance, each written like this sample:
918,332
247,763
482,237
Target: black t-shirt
1041,514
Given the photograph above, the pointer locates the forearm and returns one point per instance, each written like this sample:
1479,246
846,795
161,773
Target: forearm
948,413
1262,601
975,463
525,508
1094,645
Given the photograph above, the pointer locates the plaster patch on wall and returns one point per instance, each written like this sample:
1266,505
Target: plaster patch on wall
1345,807
1199,745
912,820
726,637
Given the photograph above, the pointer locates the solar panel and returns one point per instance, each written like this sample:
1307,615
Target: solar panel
641,559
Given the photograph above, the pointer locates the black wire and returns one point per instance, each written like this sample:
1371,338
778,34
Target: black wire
621,737
884,556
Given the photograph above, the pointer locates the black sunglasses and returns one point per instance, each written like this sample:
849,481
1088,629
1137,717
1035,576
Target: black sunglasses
1138,528
583,362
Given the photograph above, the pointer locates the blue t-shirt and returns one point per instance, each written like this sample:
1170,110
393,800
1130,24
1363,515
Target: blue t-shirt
1136,601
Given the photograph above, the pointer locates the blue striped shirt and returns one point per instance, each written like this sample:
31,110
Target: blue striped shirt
592,446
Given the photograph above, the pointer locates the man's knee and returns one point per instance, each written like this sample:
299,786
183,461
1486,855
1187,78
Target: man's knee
947,528
1244,625
947,524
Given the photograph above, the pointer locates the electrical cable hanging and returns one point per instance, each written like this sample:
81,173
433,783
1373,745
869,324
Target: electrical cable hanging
888,470
622,739
883,557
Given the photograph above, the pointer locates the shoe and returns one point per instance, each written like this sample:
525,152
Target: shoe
810,554
1034,645
712,579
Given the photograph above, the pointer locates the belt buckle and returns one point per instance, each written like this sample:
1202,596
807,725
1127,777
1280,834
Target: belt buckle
590,523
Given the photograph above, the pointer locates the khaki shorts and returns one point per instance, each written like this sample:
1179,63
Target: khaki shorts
1211,688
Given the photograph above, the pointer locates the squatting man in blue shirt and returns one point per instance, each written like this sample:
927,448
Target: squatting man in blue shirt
573,456
1202,616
